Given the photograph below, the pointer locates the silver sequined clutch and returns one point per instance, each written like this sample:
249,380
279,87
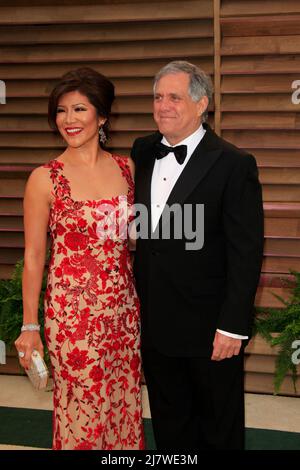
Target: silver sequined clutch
38,372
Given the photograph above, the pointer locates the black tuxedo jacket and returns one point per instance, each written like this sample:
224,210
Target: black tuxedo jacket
186,294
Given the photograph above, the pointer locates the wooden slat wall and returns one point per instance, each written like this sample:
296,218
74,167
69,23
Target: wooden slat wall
251,46
260,58
126,40
259,63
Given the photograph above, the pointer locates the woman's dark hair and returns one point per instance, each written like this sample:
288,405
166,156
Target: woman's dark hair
99,90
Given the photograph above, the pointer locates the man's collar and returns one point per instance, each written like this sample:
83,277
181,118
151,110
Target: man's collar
195,137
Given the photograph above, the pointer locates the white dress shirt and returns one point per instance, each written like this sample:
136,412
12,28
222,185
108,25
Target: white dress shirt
166,172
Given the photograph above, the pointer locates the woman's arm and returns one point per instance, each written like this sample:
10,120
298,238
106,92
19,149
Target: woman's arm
36,215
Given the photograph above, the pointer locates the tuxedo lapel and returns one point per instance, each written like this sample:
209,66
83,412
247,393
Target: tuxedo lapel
205,155
196,169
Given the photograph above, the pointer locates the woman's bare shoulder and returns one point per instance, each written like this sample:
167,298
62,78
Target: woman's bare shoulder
39,179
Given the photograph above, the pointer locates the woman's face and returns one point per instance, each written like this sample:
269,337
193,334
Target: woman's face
77,119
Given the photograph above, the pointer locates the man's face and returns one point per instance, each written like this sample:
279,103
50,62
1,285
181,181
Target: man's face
175,113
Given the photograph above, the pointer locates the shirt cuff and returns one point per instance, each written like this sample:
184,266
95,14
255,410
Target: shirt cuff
232,335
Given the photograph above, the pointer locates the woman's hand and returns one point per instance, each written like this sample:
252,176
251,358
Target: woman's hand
26,343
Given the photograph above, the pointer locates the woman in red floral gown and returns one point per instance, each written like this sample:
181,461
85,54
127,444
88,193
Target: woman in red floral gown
91,306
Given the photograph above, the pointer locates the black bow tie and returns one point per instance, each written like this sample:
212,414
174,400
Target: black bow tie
179,152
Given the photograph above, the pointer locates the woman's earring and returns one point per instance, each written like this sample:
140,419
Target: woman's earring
102,135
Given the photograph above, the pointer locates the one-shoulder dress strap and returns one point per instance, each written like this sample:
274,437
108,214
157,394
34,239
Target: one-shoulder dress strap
125,168
61,186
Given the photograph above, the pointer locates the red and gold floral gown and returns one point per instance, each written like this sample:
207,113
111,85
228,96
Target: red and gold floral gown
92,321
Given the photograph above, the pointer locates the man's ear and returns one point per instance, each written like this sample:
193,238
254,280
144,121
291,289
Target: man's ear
202,105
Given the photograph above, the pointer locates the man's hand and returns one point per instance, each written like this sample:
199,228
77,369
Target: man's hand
225,347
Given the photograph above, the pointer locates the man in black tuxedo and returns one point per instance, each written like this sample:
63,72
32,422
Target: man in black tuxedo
196,300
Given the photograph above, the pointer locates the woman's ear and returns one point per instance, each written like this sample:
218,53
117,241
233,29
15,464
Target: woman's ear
101,121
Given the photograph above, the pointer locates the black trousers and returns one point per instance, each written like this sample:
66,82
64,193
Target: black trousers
196,404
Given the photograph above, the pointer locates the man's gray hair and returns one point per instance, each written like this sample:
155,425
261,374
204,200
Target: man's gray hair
200,83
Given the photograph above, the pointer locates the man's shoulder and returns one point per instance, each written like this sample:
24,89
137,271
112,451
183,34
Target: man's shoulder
231,152
230,148
147,139
235,154
142,144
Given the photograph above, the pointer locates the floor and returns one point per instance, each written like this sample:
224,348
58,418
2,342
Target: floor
265,412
